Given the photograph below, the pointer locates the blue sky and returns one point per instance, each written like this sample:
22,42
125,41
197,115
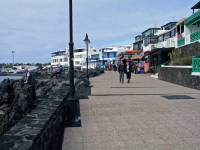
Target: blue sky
35,28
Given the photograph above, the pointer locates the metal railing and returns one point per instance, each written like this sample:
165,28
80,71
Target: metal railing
193,18
195,36
181,41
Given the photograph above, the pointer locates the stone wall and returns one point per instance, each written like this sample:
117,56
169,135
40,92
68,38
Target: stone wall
191,49
16,99
42,128
180,75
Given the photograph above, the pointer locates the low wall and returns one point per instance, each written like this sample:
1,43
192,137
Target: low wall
190,49
179,75
43,127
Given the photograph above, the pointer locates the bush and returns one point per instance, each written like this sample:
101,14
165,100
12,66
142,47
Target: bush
177,58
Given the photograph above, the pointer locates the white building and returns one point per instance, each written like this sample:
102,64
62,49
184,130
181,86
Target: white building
59,58
95,56
188,29
163,37
180,33
167,38
80,56
150,38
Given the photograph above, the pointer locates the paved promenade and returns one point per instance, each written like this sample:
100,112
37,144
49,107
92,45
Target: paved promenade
137,116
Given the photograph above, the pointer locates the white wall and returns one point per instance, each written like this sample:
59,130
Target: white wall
171,42
148,47
58,62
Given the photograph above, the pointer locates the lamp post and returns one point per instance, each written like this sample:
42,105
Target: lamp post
73,114
87,42
13,57
71,51
103,58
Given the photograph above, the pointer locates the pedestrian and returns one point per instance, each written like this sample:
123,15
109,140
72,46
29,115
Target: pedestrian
128,70
26,75
115,67
121,70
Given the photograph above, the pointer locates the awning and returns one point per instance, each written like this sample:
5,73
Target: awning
136,58
147,53
133,51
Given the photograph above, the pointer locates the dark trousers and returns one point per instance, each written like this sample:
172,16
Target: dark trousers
121,76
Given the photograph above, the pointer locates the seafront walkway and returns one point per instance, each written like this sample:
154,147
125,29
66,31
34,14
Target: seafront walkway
147,114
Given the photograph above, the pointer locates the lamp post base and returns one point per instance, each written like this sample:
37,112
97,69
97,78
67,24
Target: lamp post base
73,123
73,113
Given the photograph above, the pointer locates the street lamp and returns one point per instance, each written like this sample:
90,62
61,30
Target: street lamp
71,50
87,42
73,114
103,58
13,58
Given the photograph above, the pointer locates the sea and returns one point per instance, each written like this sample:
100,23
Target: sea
10,77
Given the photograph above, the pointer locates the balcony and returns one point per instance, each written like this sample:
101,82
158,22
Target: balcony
181,42
193,19
195,36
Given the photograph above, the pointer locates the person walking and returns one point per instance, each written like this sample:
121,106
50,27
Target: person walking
115,67
128,70
121,70
26,75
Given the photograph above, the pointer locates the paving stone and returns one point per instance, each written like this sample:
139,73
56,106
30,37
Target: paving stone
135,117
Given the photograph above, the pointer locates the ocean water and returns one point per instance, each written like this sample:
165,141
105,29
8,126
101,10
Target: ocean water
10,77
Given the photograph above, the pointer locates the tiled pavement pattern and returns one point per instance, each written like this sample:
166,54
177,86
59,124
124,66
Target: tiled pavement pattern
135,116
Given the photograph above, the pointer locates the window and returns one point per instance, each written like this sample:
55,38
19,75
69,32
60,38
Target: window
65,59
146,41
173,33
166,36
182,28
178,29
160,38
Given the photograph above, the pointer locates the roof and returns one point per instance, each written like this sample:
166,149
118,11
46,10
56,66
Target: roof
141,41
196,6
151,29
174,22
58,52
138,36
181,21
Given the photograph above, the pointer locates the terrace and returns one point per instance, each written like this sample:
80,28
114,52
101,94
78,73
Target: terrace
181,41
195,36
193,19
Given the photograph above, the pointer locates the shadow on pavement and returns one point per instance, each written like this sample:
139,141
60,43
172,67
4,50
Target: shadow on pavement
139,94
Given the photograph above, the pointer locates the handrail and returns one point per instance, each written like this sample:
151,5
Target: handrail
195,36
192,17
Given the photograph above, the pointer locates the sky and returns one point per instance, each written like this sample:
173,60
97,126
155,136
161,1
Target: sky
35,28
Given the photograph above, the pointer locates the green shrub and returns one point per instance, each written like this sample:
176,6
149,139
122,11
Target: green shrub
177,58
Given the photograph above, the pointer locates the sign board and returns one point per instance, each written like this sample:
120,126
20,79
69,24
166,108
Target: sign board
196,66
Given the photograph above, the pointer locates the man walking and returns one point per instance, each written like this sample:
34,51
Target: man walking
129,66
121,69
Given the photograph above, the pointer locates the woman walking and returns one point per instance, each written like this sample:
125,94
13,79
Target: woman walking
128,70
121,70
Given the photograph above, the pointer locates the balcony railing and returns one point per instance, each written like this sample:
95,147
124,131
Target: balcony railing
181,41
195,36
193,18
